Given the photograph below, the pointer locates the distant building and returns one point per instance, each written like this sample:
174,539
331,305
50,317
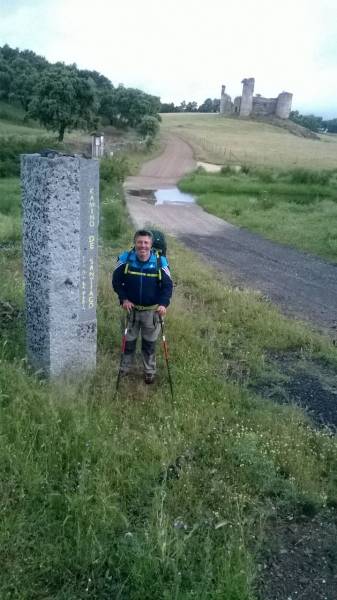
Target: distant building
248,104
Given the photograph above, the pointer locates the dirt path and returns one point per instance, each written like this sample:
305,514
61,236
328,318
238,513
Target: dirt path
301,284
165,170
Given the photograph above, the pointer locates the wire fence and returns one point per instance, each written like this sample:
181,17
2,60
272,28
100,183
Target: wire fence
223,154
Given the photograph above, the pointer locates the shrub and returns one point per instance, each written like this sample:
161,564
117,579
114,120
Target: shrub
113,217
113,169
148,126
113,221
306,176
265,175
149,141
226,170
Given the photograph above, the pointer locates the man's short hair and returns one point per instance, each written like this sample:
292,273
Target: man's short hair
143,232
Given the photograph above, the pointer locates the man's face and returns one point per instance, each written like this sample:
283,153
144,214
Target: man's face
143,245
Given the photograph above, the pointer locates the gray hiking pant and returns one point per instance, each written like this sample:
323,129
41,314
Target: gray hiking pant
147,323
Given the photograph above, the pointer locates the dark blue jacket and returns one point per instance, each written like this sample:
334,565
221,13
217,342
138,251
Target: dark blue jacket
142,282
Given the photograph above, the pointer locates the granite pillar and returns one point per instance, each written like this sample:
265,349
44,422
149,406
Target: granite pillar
60,242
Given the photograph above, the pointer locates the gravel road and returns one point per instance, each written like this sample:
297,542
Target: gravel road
302,285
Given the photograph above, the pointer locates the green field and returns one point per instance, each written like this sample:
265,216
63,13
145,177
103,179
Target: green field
273,182
225,140
143,497
295,207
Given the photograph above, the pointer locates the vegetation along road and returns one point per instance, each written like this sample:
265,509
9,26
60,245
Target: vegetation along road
301,284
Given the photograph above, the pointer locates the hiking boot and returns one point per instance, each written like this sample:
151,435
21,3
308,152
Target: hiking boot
149,378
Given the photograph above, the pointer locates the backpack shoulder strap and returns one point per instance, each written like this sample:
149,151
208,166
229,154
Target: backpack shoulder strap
159,266
127,263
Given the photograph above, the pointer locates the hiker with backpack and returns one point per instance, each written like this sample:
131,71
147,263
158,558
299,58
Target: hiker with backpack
143,283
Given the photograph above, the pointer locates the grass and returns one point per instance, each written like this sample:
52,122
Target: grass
143,497
295,207
13,126
10,210
9,129
233,141
20,137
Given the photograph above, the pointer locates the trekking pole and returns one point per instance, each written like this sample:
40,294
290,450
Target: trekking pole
166,354
126,322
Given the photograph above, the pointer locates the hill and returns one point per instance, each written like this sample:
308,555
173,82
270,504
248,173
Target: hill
224,140
62,97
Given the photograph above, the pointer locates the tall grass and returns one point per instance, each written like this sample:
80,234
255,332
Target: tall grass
143,497
299,191
10,210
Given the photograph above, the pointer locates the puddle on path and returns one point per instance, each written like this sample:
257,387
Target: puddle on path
163,196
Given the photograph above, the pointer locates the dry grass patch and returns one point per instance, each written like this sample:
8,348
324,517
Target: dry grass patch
222,140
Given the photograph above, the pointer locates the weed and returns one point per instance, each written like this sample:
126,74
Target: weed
114,169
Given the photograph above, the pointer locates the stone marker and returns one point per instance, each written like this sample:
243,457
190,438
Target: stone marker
60,236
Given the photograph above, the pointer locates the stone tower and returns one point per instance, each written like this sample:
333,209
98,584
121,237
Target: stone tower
283,105
225,102
222,100
247,97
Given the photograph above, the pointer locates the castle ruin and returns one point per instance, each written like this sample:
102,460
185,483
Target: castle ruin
248,104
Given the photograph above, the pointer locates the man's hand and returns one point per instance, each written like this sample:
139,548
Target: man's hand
127,305
161,310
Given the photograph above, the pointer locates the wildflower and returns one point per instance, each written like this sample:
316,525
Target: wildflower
179,524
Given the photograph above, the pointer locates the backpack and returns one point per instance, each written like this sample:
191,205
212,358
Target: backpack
159,242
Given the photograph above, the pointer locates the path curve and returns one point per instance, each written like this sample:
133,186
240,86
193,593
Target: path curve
165,170
301,284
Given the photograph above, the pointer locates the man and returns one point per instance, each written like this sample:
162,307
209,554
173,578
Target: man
143,283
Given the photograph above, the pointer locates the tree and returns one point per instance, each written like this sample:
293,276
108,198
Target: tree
101,82
65,97
126,107
133,105
311,122
6,77
148,126
19,74
168,107
330,125
108,107
191,106
24,81
63,100
216,105
206,106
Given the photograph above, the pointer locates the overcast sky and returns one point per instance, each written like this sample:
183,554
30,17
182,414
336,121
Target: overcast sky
185,49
